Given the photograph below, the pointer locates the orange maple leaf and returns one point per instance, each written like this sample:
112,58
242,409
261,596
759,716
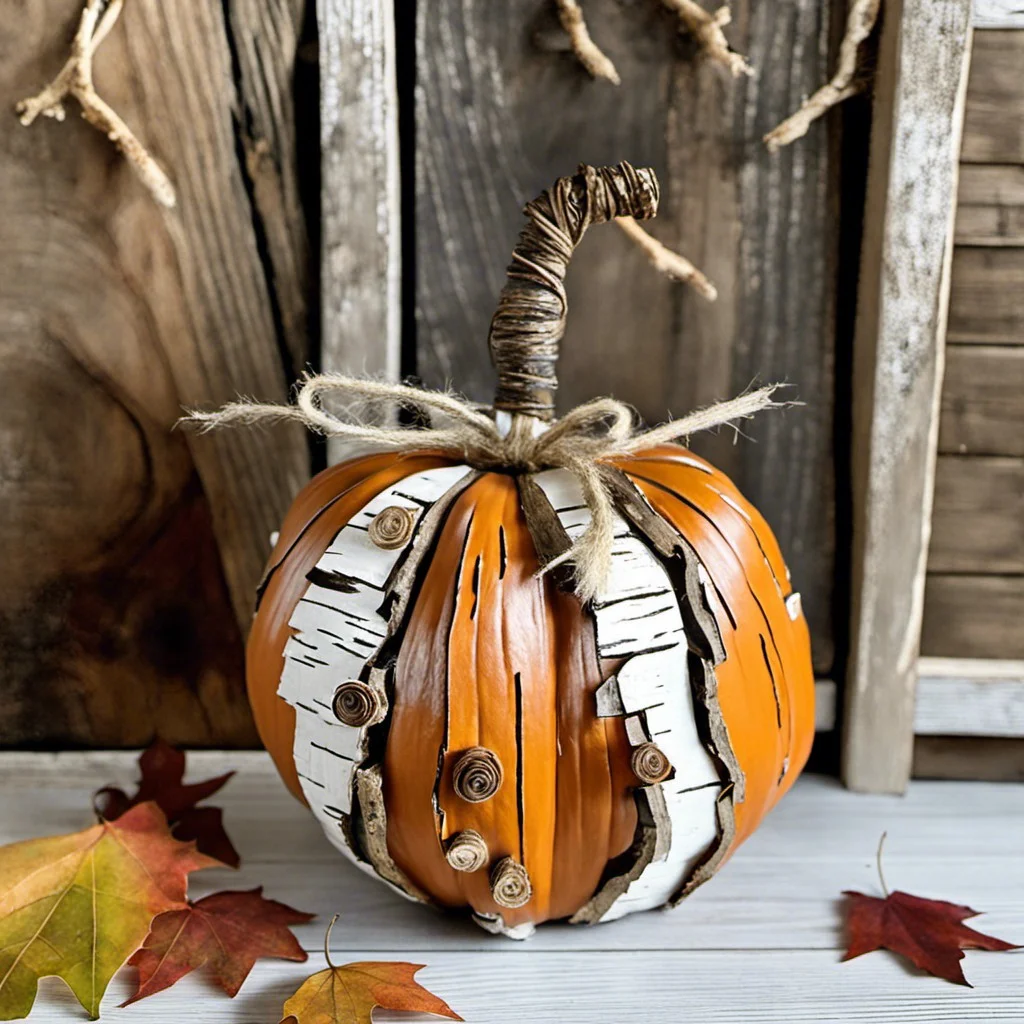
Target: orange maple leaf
348,994
77,906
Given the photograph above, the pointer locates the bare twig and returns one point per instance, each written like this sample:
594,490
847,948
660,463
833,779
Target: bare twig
590,55
844,83
706,28
666,261
75,80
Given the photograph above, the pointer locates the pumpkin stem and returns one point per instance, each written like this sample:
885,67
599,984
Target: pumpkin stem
530,320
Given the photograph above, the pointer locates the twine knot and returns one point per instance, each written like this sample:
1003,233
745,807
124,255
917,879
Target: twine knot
577,442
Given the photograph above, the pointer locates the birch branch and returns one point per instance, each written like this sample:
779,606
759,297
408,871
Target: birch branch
76,80
706,28
844,83
589,54
665,261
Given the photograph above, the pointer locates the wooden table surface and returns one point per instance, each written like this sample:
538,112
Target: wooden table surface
760,942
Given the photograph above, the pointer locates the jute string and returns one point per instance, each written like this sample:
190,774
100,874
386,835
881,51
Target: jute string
577,442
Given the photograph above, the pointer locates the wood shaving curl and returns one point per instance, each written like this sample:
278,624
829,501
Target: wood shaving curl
76,80
846,81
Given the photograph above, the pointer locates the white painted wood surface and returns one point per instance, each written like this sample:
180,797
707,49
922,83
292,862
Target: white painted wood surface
760,942
899,349
360,192
969,697
999,14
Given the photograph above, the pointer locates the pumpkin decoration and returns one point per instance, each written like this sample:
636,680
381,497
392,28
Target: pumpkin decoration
534,668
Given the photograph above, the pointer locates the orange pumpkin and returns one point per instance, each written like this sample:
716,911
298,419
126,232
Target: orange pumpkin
470,730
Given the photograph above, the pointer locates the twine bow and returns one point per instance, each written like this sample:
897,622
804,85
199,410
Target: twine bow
577,442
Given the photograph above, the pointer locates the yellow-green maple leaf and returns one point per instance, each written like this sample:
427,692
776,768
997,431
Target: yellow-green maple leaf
77,906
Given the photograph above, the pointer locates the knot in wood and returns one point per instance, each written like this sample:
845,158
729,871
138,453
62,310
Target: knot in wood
477,775
649,764
392,527
356,703
510,884
467,851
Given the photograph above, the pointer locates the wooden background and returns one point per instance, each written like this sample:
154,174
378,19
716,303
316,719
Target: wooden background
131,550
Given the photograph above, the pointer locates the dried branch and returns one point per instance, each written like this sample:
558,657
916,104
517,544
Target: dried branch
844,83
706,28
666,261
76,80
589,54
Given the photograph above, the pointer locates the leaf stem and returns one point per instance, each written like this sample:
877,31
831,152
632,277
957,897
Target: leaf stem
878,863
327,943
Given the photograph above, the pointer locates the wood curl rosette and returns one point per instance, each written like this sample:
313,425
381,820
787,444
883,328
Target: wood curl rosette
591,670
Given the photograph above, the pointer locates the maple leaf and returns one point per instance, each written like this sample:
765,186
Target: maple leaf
163,769
929,933
348,994
227,932
77,906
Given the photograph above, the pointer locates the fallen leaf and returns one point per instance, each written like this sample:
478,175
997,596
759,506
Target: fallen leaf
77,906
163,769
929,933
348,994
227,933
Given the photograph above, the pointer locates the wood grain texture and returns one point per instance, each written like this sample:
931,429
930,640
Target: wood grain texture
117,614
980,758
990,205
971,616
983,401
998,14
978,517
360,208
994,125
791,872
986,304
503,109
898,366
970,697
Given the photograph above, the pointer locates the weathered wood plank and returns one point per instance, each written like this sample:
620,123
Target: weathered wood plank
969,697
998,14
978,518
973,616
501,113
994,125
986,304
982,758
115,313
983,401
361,263
990,205
898,364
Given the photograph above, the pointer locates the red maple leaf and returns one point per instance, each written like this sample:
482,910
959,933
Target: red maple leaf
929,933
163,769
227,932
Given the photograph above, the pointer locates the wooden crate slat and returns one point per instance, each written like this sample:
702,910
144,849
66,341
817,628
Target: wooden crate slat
990,206
983,401
897,375
978,515
503,109
986,304
979,758
970,697
994,125
968,616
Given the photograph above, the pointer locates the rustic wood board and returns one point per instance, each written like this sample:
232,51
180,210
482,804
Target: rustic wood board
361,259
994,125
986,304
982,758
899,348
990,205
116,615
503,109
998,14
978,518
971,616
983,400
970,697
771,917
